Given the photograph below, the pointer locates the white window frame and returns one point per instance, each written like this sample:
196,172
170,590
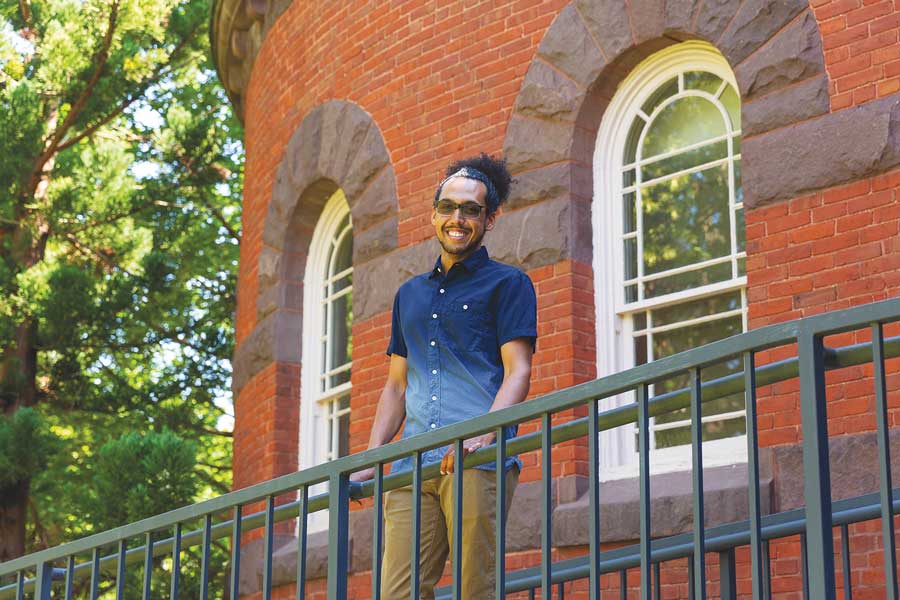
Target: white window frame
316,405
617,456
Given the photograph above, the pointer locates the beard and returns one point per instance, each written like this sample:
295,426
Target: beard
458,248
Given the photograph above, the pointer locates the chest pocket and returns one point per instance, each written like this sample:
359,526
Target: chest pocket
469,324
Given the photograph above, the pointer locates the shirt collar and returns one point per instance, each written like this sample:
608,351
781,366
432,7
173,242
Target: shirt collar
471,262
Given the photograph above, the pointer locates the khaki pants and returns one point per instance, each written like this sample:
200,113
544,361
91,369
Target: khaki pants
479,508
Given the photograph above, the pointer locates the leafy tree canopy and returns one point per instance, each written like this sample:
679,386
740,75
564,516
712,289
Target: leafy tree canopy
119,237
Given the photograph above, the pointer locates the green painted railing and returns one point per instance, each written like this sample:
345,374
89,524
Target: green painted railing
109,555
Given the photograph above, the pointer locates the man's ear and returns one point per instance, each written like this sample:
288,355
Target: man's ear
489,221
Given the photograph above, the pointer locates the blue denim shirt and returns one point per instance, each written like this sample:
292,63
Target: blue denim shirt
449,327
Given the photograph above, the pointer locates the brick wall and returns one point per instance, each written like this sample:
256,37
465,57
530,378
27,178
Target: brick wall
862,55
440,79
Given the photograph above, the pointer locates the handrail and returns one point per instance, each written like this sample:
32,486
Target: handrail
752,341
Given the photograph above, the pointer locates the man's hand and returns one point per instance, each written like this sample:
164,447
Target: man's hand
469,446
363,476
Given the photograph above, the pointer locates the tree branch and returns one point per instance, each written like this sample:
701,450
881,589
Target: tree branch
100,59
89,251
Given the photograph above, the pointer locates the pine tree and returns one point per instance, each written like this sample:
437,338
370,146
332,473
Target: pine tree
119,234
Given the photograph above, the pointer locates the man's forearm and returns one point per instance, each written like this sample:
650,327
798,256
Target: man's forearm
388,417
513,390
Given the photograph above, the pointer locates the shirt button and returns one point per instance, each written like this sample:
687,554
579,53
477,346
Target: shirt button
434,315
433,343
433,426
434,397
442,290
465,307
434,371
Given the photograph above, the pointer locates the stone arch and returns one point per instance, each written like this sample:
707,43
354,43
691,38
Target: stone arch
337,145
773,46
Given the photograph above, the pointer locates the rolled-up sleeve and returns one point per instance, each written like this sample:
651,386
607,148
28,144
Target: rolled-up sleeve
397,344
517,310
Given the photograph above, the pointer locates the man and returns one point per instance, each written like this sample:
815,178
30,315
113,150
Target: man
462,338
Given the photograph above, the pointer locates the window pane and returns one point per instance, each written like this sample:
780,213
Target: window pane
344,254
686,281
733,105
679,229
344,435
630,258
685,160
628,178
703,81
631,142
711,431
629,213
686,121
663,92
341,344
696,308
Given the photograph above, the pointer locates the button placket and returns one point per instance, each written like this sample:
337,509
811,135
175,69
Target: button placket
434,358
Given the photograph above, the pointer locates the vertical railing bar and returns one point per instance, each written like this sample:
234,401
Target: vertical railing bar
767,572
657,581
560,591
531,594
95,573
623,584
176,562
884,463
417,526
727,575
302,518
816,468
456,554
845,561
691,577
756,570
70,576
148,565
204,557
699,556
268,535
644,451
804,566
546,507
20,585
43,581
377,531
338,535
236,551
500,518
594,498
120,571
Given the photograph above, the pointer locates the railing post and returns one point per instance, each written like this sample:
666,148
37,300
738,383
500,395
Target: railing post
728,575
43,581
338,535
816,468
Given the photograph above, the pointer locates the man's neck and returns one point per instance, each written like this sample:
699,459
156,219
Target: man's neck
448,260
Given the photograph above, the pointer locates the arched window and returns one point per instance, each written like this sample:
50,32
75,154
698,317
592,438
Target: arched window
669,225
327,339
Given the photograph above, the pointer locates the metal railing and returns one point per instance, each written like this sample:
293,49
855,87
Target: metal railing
141,542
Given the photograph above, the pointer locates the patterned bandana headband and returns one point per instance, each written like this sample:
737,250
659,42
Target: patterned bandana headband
492,199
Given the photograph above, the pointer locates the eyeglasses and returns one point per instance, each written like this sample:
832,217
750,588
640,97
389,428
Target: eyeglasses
468,210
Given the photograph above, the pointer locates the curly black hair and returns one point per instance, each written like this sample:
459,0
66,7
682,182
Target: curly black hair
492,166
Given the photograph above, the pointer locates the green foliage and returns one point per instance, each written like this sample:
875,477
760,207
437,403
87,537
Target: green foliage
140,475
119,238
25,447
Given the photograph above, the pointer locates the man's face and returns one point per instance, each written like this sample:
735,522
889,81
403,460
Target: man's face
460,235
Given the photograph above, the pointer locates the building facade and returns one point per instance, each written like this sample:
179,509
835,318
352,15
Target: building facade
685,170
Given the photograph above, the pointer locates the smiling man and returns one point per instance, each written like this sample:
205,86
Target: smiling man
462,338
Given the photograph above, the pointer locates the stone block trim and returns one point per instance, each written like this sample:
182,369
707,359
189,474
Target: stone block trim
823,152
773,45
337,145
